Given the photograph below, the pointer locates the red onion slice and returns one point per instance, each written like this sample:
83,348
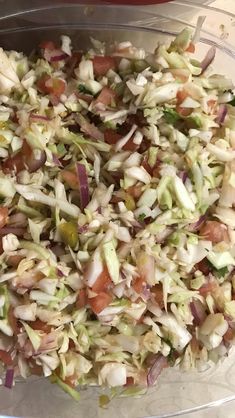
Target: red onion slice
39,118
183,175
56,161
198,312
83,184
208,59
54,55
221,114
196,225
155,370
11,230
9,378
83,229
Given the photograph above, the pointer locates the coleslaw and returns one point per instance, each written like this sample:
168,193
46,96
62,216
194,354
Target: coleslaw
117,189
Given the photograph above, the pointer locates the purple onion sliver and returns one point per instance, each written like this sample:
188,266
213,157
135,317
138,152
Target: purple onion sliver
198,312
56,161
82,229
183,175
39,118
208,59
196,225
83,184
57,58
11,230
155,370
60,273
9,378
221,114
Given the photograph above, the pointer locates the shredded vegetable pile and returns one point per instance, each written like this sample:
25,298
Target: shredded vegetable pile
117,188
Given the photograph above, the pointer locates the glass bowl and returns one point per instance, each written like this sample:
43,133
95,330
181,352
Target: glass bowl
176,393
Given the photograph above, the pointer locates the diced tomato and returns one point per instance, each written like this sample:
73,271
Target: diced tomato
158,294
71,381
183,111
146,166
111,136
3,216
106,96
214,231
17,162
181,96
14,163
130,381
102,65
103,282
229,335
139,285
191,48
137,119
51,85
47,45
14,260
5,358
209,287
135,191
130,146
70,178
82,299
41,326
100,302
204,266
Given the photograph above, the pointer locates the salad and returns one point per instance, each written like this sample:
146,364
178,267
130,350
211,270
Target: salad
117,188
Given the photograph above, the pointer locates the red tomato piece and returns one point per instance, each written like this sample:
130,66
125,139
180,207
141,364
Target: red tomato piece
181,96
106,96
103,282
229,335
111,136
209,287
139,285
17,162
130,381
135,191
47,45
102,65
5,358
49,85
82,299
70,178
158,294
191,48
39,325
184,111
100,302
204,267
214,231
